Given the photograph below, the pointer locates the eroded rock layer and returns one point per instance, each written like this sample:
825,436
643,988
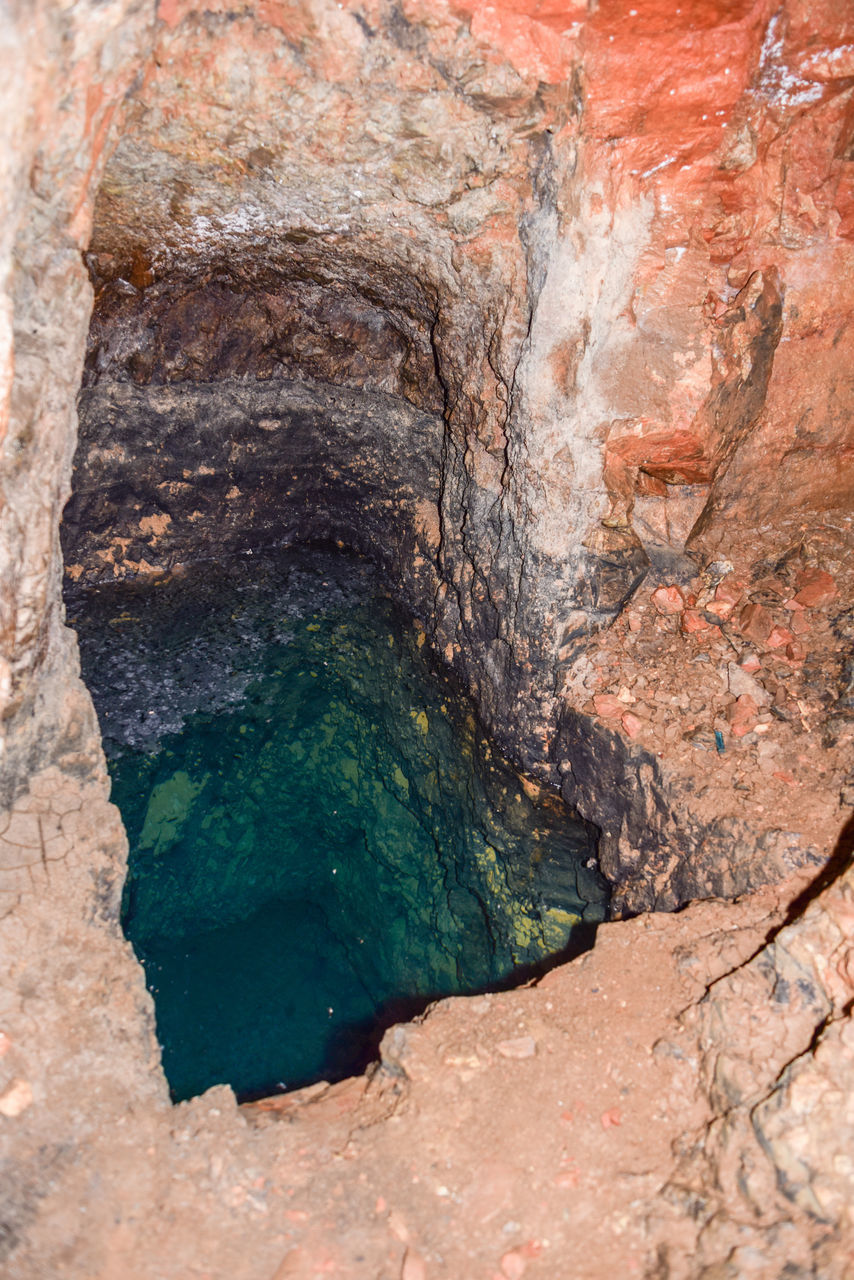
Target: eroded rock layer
168,476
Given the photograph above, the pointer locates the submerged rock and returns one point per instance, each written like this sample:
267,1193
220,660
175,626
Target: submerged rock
320,830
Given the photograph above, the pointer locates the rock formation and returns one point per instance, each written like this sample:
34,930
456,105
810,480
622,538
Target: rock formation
546,307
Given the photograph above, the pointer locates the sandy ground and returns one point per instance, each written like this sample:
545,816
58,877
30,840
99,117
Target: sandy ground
568,1129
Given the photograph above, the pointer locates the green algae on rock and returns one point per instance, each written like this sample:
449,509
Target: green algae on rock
321,833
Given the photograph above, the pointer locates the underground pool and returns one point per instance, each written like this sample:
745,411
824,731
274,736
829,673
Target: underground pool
322,838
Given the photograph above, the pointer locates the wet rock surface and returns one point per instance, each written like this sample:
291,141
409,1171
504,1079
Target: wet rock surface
322,838
165,476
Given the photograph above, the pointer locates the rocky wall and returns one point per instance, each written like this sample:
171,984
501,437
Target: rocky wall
170,474
659,846
65,72
594,280
575,263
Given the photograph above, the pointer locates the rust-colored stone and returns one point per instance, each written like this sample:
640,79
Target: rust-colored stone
728,593
779,638
608,705
755,623
668,600
817,589
742,715
632,724
694,622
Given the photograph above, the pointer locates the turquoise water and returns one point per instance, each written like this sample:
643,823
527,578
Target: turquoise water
322,838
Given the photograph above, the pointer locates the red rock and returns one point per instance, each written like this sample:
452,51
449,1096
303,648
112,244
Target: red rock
728,592
800,624
796,651
783,775
755,623
793,606
693,622
742,715
650,486
727,596
611,1118
668,600
608,705
635,622
719,609
750,664
514,1262
632,724
779,637
818,589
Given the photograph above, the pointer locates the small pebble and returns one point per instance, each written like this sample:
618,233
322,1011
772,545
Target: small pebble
521,1047
16,1098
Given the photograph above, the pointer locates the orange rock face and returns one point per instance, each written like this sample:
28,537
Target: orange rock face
715,114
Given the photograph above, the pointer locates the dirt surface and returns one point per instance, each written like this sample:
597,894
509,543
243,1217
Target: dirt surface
736,687
569,1129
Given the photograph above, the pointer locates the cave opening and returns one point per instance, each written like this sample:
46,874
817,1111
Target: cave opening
323,836
323,839
295,357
